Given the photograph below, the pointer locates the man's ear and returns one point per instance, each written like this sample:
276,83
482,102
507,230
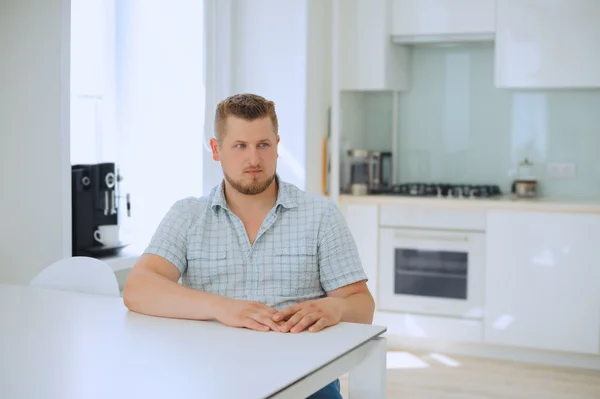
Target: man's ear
214,146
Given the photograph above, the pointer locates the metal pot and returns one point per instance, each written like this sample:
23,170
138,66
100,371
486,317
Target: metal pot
525,188
525,184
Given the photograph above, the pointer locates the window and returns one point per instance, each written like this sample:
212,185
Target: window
137,100
93,65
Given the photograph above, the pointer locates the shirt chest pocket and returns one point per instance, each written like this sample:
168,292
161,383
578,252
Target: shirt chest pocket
207,270
298,267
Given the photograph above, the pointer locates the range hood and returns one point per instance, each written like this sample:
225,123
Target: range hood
443,38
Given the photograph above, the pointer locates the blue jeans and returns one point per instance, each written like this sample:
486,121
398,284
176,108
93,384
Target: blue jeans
331,391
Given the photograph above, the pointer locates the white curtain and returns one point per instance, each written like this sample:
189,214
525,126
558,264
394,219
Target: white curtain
259,46
161,106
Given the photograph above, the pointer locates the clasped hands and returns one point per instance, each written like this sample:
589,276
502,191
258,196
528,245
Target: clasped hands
314,315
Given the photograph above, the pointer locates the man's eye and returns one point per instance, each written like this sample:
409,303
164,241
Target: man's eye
264,145
241,145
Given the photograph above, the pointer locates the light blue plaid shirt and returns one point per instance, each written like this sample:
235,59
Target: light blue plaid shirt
303,248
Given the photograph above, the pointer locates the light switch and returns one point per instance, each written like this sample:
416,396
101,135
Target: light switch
561,170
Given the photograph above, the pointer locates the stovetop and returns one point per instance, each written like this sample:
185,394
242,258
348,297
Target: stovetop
443,190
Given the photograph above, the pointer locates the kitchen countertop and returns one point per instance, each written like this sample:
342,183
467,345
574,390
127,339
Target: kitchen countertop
542,204
125,259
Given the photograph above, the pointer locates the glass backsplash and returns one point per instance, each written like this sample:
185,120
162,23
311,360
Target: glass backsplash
455,126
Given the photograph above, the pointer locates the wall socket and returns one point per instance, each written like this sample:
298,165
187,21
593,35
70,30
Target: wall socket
561,170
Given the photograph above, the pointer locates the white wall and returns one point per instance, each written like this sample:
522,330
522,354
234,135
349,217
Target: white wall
160,100
35,200
280,50
318,89
34,137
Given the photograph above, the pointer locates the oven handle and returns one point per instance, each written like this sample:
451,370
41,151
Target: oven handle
432,238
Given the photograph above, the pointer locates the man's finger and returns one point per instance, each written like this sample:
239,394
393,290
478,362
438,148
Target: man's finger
295,319
305,322
266,320
254,325
285,313
271,311
319,325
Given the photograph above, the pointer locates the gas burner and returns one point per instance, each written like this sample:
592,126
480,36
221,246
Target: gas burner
446,190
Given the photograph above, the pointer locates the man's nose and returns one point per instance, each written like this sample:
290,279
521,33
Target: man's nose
253,156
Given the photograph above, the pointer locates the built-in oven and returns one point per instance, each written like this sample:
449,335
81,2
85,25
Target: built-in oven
433,272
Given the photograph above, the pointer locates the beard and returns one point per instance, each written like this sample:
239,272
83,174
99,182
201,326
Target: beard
256,186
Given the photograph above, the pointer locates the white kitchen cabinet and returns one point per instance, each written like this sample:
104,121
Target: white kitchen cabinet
543,281
363,224
368,60
422,20
440,328
547,43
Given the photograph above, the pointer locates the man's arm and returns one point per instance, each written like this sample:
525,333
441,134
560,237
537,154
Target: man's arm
352,303
343,279
152,289
357,304
342,273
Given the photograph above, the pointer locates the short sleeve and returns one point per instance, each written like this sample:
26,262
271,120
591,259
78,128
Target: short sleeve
339,262
170,239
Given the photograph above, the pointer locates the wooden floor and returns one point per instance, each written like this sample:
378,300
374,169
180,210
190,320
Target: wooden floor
435,376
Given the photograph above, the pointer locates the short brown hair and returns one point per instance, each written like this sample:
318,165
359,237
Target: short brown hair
246,106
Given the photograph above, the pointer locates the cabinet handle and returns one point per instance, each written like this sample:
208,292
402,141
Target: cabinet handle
432,238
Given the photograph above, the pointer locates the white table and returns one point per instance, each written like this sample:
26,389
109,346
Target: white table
56,344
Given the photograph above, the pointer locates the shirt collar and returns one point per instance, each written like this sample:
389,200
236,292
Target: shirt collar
284,197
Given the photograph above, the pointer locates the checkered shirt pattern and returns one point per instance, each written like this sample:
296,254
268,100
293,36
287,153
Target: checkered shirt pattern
303,249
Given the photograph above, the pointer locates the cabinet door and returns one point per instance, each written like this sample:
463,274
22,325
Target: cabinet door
363,224
368,58
543,281
548,44
443,17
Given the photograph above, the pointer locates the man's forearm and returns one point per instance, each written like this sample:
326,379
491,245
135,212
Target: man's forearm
155,295
359,308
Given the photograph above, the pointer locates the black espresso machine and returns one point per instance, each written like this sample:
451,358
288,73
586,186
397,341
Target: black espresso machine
95,202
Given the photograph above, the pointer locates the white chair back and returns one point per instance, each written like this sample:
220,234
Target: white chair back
80,274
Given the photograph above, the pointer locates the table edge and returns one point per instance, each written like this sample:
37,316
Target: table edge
333,360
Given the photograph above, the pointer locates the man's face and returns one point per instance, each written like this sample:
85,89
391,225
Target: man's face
248,154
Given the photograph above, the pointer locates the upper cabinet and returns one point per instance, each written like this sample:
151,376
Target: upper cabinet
443,20
547,43
368,60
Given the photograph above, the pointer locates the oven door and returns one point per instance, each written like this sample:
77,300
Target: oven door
431,272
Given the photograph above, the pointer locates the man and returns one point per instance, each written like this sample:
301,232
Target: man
256,252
